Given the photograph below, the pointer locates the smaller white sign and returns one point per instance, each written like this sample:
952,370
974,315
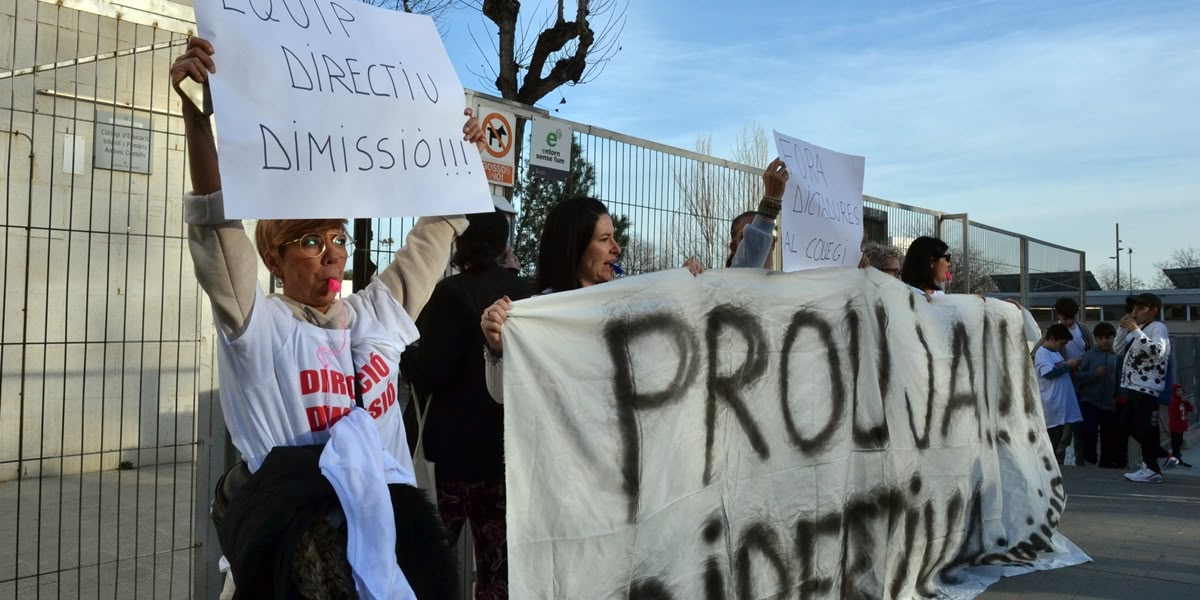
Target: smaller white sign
73,154
822,217
500,133
550,150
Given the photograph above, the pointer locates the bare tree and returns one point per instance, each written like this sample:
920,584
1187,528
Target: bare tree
700,226
572,45
980,270
1107,278
641,255
711,196
1180,258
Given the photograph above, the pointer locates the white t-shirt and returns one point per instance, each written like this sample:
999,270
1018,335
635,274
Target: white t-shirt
1059,404
284,381
1076,348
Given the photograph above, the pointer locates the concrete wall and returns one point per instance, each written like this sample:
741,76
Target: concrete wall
104,329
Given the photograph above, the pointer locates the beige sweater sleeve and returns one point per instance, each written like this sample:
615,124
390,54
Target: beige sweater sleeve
224,258
421,262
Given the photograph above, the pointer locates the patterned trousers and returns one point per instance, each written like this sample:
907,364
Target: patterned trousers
483,503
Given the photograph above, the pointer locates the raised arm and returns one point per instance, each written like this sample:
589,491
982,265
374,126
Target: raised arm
758,238
420,263
222,254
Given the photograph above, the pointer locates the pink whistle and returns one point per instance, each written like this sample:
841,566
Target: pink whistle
335,285
949,276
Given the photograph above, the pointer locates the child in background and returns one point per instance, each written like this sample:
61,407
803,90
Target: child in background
1059,404
1096,388
1180,410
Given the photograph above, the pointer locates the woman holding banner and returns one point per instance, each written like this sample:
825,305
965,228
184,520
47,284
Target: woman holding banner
294,364
578,249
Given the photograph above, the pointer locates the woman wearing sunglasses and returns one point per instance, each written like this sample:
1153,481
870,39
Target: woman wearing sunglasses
927,266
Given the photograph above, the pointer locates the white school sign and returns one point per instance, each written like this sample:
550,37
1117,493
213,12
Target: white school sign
743,434
329,109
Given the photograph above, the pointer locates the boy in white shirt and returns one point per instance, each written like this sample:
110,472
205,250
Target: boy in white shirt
1059,404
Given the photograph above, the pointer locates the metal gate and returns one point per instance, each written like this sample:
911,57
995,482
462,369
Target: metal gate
105,334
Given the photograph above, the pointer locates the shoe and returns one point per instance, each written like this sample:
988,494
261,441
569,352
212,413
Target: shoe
1144,475
1185,465
1170,463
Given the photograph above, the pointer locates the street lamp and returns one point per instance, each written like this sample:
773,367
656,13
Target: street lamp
1130,269
1118,258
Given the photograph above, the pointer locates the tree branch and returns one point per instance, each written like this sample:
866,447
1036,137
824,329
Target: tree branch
504,14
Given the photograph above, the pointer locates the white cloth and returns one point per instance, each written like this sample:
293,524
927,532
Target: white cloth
891,437
356,464
1059,404
315,370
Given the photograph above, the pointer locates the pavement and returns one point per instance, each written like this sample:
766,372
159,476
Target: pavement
1144,538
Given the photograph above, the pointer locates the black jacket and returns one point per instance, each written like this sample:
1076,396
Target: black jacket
265,517
464,429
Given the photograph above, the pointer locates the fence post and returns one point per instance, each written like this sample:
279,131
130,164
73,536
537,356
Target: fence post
1024,271
213,456
1083,281
966,233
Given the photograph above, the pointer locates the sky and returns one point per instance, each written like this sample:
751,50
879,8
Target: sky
1053,119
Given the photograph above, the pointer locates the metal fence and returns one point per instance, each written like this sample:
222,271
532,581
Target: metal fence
105,334
110,433
680,203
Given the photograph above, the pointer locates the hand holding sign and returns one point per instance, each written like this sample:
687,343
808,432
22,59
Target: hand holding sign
822,207
195,65
775,178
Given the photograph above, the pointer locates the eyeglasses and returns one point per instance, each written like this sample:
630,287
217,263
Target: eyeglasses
946,256
313,245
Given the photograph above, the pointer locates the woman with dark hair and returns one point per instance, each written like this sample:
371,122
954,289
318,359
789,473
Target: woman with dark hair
927,265
464,428
577,246
578,249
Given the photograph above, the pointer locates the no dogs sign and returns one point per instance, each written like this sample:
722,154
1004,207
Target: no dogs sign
499,131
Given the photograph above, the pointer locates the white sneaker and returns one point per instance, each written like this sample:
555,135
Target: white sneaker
1170,463
1144,475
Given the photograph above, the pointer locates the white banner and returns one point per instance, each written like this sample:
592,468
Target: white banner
822,217
329,109
746,434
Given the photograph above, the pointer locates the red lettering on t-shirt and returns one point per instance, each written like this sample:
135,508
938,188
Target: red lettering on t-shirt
308,382
318,419
365,383
321,418
381,366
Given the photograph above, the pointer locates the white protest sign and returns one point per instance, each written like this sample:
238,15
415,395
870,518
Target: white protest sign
822,217
742,434
500,134
550,150
333,109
